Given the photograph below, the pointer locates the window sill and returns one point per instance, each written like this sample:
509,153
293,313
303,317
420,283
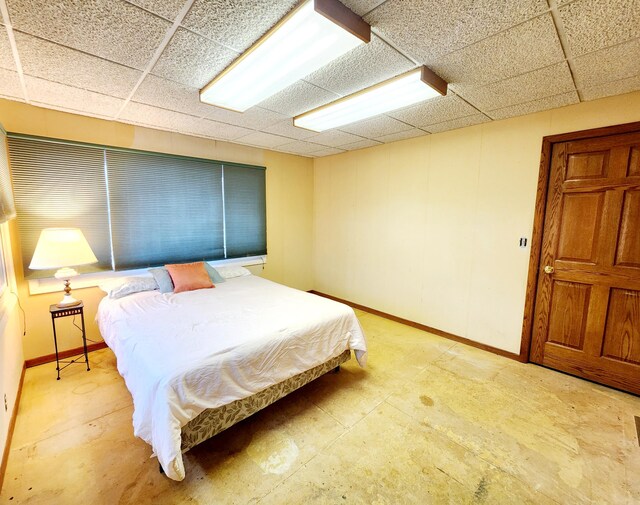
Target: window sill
52,285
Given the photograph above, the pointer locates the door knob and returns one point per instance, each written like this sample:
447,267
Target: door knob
548,269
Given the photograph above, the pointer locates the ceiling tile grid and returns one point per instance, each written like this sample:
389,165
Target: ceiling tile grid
501,59
365,66
53,62
551,102
403,135
541,83
528,46
428,29
262,139
435,111
298,98
609,64
376,127
168,9
170,95
457,123
595,24
112,29
10,86
255,118
6,55
192,60
362,7
61,96
236,24
335,138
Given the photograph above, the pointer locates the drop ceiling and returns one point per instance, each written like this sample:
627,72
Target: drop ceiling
143,62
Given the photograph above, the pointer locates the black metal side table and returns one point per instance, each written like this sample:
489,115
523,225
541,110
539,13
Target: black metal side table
57,312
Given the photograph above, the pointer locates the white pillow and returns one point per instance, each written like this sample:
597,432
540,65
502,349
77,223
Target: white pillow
128,286
231,271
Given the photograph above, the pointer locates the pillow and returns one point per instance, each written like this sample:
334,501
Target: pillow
189,276
133,285
231,271
216,278
162,277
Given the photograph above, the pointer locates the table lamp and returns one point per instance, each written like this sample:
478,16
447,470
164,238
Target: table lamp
62,248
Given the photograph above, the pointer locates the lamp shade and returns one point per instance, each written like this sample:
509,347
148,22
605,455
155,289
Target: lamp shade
61,247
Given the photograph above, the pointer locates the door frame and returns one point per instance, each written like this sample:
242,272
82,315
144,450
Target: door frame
539,218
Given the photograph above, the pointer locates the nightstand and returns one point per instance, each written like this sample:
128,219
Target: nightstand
58,312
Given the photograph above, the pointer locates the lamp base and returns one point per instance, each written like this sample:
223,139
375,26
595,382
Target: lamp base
68,301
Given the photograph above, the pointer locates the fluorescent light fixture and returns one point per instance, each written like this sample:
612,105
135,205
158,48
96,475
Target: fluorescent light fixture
401,91
313,34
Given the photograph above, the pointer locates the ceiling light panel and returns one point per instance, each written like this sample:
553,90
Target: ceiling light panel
413,87
315,33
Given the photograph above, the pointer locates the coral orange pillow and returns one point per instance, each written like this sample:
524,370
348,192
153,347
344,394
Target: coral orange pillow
189,276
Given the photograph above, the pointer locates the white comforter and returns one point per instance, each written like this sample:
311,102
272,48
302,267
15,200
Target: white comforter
182,353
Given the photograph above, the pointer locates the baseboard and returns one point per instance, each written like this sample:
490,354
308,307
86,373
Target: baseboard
12,425
429,329
40,360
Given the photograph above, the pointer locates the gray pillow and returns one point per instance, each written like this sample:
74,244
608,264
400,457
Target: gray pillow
215,277
163,279
133,285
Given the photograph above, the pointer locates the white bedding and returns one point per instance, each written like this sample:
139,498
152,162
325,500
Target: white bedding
182,353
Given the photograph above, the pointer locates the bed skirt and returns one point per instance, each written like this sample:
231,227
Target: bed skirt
210,422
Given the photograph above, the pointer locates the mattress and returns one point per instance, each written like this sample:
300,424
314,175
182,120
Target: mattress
180,354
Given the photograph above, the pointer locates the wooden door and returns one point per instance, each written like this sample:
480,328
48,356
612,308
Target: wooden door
587,312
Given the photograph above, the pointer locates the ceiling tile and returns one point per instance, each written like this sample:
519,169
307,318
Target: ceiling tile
327,151
407,134
361,144
528,46
213,129
66,97
255,118
236,24
170,95
168,9
609,64
550,102
436,110
427,29
6,56
334,138
594,24
300,147
262,139
360,68
362,7
156,117
192,60
10,84
376,127
548,81
112,29
286,129
54,62
458,123
298,98
611,88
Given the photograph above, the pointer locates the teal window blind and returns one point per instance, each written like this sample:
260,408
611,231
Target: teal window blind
164,209
137,209
7,203
245,211
59,185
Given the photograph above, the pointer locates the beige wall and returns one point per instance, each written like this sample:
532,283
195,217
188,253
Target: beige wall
11,354
427,229
289,208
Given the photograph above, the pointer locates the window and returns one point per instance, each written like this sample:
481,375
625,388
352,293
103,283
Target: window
137,209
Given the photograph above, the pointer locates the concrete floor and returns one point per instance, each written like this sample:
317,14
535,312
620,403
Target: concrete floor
429,421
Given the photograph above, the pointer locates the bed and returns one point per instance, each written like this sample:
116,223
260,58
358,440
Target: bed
199,361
